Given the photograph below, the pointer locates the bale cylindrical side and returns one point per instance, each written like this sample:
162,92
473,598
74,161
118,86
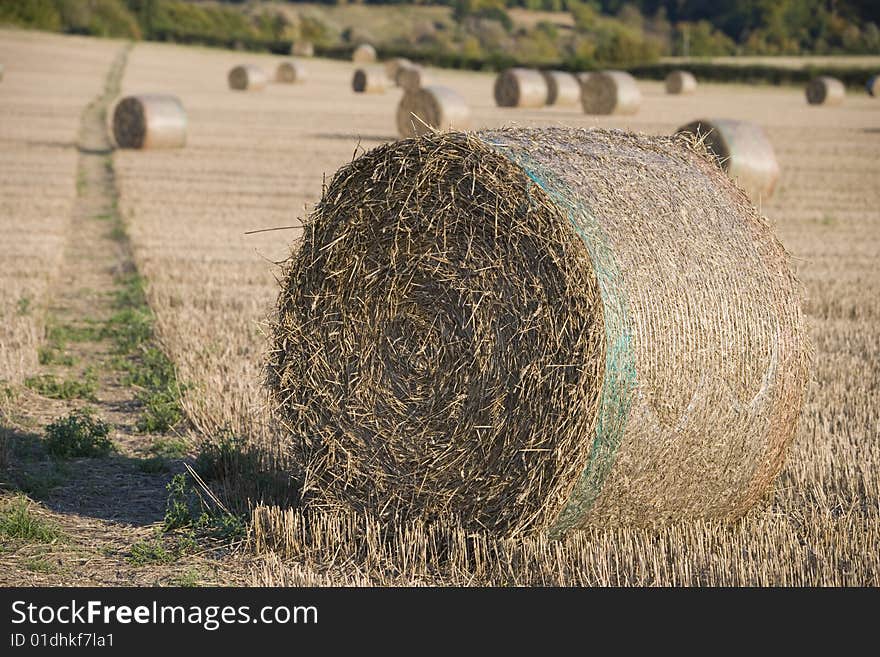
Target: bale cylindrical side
681,82
302,49
538,329
520,87
873,85
247,78
369,80
610,92
364,54
410,78
394,65
824,90
290,72
149,121
563,88
742,150
440,108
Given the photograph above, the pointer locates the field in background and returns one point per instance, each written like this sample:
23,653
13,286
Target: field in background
257,161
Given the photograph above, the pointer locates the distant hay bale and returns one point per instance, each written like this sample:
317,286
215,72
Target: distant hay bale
149,121
393,65
873,85
439,107
538,330
610,92
364,54
302,49
369,80
290,72
743,151
1,72
563,88
520,87
824,90
410,78
681,82
247,78
583,76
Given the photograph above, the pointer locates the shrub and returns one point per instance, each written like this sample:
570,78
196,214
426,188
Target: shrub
78,434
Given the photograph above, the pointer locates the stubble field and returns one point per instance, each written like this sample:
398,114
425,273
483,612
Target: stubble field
258,161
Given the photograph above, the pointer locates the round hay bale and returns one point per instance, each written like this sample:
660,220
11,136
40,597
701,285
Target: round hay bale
394,65
873,85
1,72
440,107
369,81
149,121
563,88
290,72
410,78
824,90
538,329
610,92
743,152
303,49
364,54
681,82
247,78
520,87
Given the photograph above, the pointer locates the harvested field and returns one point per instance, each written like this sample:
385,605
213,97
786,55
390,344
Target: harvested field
256,161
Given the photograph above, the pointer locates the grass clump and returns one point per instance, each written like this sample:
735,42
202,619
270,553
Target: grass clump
18,522
144,553
187,509
48,385
78,434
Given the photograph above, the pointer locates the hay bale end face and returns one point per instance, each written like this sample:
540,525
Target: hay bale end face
369,81
681,82
149,121
364,54
520,87
825,90
743,152
503,327
290,72
610,92
440,108
411,78
394,65
873,86
563,89
247,78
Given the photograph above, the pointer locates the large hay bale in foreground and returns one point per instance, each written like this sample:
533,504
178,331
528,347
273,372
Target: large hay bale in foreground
290,72
411,78
394,65
742,150
520,87
302,49
538,329
370,80
873,85
681,82
563,88
439,107
364,54
824,90
149,121
247,78
610,92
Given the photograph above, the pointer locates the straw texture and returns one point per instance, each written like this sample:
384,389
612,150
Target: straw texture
742,150
290,72
411,78
825,90
439,107
610,92
149,121
537,330
369,80
681,82
247,78
520,87
364,54
563,88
